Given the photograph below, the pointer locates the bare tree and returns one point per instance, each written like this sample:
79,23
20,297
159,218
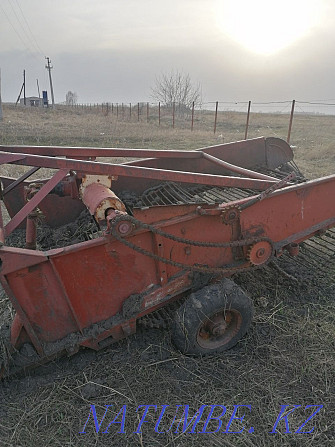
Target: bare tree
176,87
71,98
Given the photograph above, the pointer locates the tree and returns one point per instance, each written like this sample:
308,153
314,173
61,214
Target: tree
176,87
71,98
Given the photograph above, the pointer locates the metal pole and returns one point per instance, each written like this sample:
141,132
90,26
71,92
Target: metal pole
117,110
247,123
159,113
130,110
192,115
138,111
216,115
291,120
147,112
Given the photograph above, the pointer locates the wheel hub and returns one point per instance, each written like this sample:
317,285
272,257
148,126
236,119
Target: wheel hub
219,328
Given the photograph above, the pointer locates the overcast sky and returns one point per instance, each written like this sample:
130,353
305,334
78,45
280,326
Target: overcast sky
112,50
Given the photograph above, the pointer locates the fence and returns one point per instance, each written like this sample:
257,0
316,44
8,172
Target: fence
168,115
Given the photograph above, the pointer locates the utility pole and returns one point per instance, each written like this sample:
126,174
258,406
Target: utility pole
24,87
38,89
1,117
49,67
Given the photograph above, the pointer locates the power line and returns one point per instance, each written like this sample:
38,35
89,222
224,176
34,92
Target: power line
29,29
16,32
28,38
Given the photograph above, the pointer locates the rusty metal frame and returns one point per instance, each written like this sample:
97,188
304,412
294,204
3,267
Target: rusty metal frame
304,206
34,202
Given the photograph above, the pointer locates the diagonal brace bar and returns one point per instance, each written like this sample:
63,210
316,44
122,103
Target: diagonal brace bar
34,202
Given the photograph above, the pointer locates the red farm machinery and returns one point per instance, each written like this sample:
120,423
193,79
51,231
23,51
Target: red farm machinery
166,233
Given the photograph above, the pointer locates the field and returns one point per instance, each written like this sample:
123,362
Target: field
287,357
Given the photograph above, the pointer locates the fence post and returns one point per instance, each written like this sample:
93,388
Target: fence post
130,110
112,108
138,111
247,123
159,113
173,113
216,115
117,110
291,120
192,115
147,112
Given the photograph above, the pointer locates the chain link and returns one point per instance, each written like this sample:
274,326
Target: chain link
200,268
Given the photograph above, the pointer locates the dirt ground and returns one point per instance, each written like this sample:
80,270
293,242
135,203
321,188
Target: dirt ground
286,359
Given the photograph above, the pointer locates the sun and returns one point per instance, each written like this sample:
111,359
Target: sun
267,26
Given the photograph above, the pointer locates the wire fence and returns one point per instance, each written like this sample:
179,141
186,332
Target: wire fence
194,115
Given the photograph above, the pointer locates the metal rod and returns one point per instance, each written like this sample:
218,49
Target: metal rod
159,113
72,152
216,115
291,121
34,202
31,231
192,122
90,167
237,169
247,123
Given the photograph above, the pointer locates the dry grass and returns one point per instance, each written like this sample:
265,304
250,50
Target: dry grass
286,358
312,135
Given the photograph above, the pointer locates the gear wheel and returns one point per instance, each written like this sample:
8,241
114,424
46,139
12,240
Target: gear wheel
260,252
231,214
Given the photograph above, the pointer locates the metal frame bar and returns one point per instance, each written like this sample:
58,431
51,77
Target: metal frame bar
33,203
20,180
90,167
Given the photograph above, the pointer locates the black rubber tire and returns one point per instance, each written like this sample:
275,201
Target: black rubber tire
215,301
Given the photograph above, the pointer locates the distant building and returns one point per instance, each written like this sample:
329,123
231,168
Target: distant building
32,101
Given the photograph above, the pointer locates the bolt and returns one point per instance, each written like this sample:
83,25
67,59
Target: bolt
260,252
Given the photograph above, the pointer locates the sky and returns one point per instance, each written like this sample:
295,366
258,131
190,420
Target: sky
113,50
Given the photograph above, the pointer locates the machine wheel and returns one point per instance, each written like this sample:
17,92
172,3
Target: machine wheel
212,319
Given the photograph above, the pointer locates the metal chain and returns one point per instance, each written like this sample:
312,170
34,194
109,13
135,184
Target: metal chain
199,268
182,240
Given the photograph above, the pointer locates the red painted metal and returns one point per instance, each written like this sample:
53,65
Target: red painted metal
33,203
73,152
20,180
92,293
31,231
99,199
141,172
238,169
